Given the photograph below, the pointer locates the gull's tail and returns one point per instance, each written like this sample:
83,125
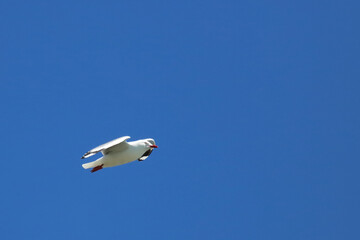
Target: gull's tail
95,167
93,164
88,165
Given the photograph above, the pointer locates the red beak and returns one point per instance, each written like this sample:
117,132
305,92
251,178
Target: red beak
154,146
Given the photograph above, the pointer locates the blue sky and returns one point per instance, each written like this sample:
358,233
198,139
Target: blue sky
254,106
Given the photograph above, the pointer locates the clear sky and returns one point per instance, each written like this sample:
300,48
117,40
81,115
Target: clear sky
254,106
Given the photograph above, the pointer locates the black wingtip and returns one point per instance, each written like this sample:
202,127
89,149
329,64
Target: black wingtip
84,155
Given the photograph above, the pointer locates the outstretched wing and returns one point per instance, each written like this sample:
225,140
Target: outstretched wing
145,155
106,147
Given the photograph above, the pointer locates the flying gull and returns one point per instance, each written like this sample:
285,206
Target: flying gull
118,152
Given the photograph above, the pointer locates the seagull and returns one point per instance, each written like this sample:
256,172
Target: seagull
118,152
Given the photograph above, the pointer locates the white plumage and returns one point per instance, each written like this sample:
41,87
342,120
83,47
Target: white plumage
118,152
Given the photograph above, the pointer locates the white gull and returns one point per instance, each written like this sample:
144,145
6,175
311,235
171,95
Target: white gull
118,152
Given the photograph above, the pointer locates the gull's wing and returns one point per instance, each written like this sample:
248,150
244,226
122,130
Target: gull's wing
145,155
106,147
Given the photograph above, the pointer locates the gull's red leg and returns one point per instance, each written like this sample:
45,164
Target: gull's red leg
97,168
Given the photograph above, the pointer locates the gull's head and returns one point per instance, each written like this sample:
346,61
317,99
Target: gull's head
150,143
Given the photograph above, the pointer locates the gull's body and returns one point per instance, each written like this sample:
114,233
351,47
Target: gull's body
118,152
